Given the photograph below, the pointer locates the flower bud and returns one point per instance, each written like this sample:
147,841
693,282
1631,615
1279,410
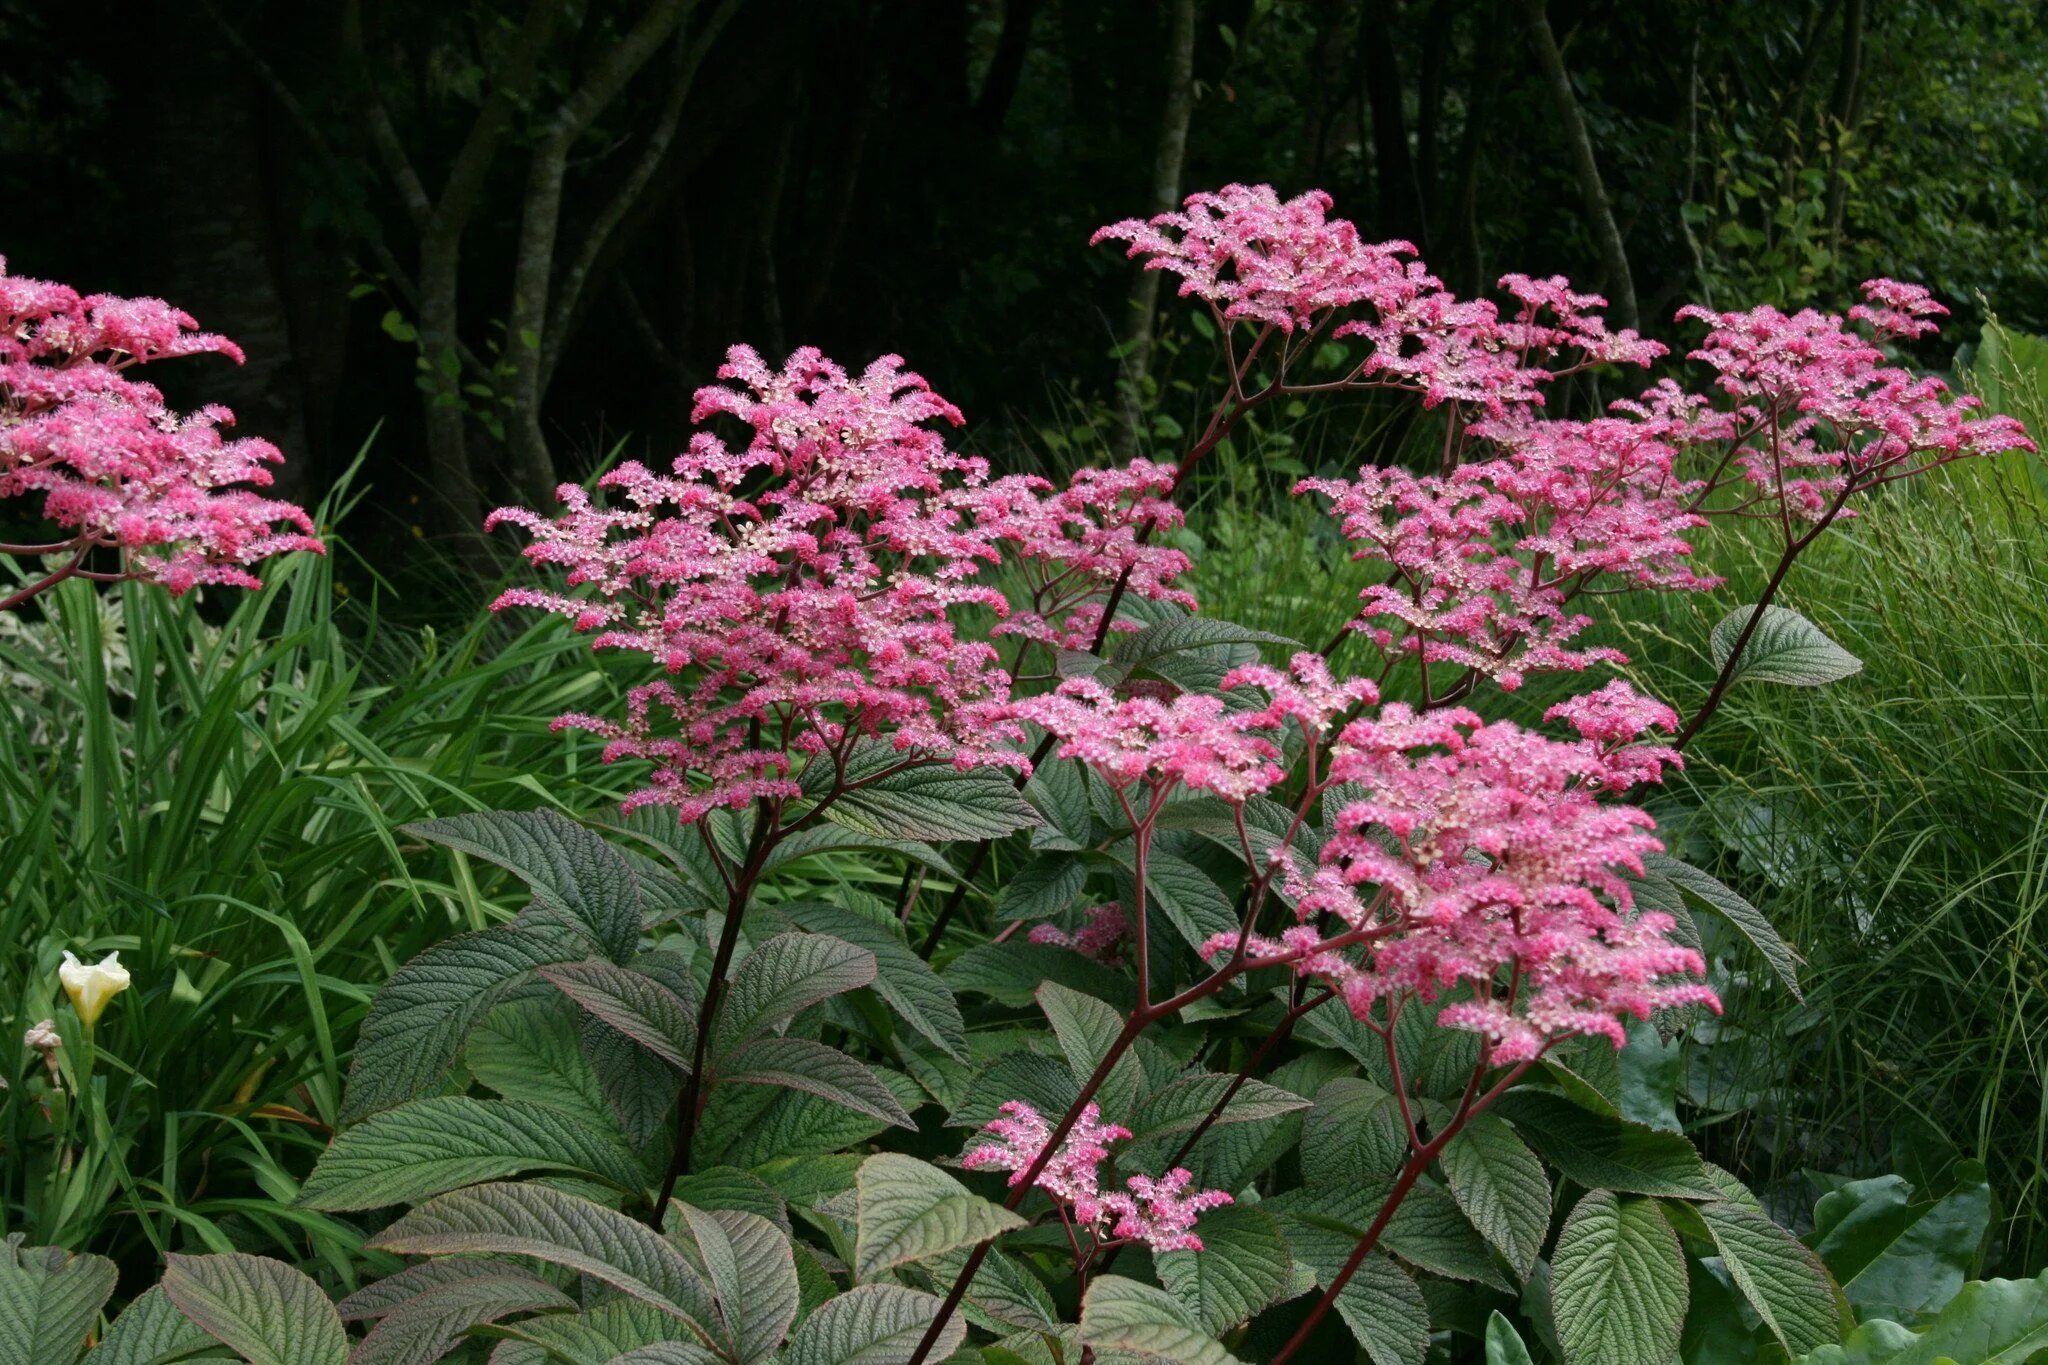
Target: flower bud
91,986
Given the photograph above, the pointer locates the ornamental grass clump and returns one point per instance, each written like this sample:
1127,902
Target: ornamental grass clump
1335,958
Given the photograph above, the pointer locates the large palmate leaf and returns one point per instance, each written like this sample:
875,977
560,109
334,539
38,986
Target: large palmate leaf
1606,1153
418,1022
1618,1287
1784,1282
1124,1315
262,1310
1989,1322
784,976
570,869
149,1331
872,1324
909,1209
1897,1257
550,1225
935,801
632,1003
1785,648
1501,1186
403,1155
49,1300
902,978
812,1067
1242,1267
1747,920
423,1327
753,1280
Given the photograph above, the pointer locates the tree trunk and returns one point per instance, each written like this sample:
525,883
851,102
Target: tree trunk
1400,202
1843,110
1168,160
1620,285
446,416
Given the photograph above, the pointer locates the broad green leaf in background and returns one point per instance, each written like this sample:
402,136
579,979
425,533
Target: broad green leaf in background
872,1324
149,1331
528,1050
1012,973
902,978
263,1310
1785,648
935,801
1783,1281
910,1209
1603,1153
1990,1322
549,1225
1087,1029
1619,1287
423,1148
1124,1315
49,1300
632,1003
570,869
1381,1303
1043,887
1242,1267
1504,1345
1187,896
785,976
1502,1187
1897,1258
812,1067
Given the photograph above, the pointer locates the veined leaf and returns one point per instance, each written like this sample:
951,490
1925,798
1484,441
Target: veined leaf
1012,973
1043,887
417,1023
1785,648
528,1050
636,1005
49,1300
1144,648
1176,888
423,1148
812,1067
1124,1315
872,1324
149,1331
1786,1284
570,869
1242,1267
753,1279
1603,1153
1504,1345
420,1330
1179,1107
1746,918
1381,1303
548,1225
380,1297
1352,1134
910,1209
784,976
1502,1188
262,1310
935,801
596,1336
1619,1285
1087,1029
902,978
1002,1290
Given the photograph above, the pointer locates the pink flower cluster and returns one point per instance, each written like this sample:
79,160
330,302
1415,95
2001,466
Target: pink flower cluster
796,589
1159,1213
1484,856
1101,938
116,468
1194,740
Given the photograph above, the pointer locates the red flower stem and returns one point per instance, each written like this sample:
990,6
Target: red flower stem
77,562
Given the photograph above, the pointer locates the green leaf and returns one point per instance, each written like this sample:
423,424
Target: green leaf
872,1324
1179,1107
1603,1153
528,1050
1896,1258
423,1327
149,1331
1042,887
1087,1029
753,1279
1002,1290
935,801
815,1069
902,978
1124,1315
1242,1267
1990,1322
784,976
1197,907
1353,1133
1504,1345
728,1187
1619,1287
49,1300
405,1154
418,1022
1786,1284
910,1209
1059,792
1145,648
1380,1303
636,1005
1785,648
263,1310
1746,918
597,1336
548,1225
569,868
1501,1186
1012,973
1044,1083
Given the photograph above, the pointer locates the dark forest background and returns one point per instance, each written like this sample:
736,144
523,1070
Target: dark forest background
510,236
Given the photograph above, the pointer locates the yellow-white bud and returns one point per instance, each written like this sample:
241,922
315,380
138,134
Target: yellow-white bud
92,985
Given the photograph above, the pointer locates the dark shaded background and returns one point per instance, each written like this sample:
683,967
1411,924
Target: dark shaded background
922,177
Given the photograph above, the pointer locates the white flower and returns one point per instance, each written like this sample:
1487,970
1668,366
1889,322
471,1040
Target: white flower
92,986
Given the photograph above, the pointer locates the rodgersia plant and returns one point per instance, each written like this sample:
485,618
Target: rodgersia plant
1345,962
163,496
